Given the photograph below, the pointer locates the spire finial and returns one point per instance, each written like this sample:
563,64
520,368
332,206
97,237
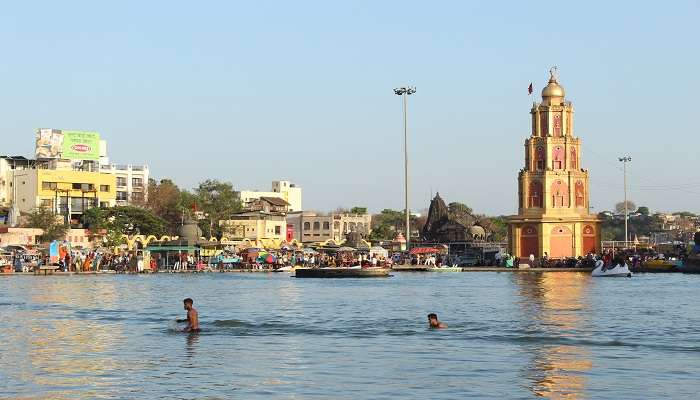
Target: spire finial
553,73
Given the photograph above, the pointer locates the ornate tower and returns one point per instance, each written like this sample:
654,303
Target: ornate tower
553,205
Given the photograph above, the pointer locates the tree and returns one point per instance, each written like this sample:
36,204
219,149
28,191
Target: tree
217,200
620,207
46,219
461,213
118,221
496,227
358,210
388,222
165,201
643,210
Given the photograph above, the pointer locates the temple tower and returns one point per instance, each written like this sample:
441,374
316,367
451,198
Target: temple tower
553,203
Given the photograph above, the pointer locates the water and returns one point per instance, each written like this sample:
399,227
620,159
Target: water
269,336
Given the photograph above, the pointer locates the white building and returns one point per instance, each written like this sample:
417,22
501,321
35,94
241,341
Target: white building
132,182
285,190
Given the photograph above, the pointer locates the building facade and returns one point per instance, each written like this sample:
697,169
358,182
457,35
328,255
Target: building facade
285,190
68,193
131,182
310,227
553,198
254,225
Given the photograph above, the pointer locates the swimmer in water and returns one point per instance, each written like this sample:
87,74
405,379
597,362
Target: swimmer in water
434,322
192,317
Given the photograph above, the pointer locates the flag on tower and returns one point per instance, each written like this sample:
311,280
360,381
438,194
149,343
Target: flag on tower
529,89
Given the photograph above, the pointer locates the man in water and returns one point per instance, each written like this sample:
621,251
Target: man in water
192,317
434,322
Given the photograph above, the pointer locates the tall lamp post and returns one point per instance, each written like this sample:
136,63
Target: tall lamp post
405,91
624,160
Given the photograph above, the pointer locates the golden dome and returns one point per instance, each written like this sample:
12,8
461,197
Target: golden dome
553,89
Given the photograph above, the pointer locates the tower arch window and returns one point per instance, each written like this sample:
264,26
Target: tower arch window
317,225
307,226
558,157
556,124
535,194
560,194
544,124
539,158
580,195
572,158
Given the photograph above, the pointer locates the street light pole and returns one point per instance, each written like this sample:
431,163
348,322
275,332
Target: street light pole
405,91
624,160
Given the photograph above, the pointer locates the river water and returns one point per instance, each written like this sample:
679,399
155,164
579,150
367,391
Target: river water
269,336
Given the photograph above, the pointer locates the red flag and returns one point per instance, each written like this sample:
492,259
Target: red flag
529,89
194,206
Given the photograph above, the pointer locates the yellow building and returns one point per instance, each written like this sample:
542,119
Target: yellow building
553,207
67,192
255,225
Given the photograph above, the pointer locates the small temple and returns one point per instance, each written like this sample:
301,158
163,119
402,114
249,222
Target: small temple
441,228
554,216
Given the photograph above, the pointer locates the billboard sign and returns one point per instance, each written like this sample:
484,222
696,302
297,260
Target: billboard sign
70,145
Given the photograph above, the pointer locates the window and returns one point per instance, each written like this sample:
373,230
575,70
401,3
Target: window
539,156
560,194
326,225
122,196
104,188
137,182
104,204
558,157
307,226
121,181
48,203
278,230
535,194
317,225
49,185
137,196
83,186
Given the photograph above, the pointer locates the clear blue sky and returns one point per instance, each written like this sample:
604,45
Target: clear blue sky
249,92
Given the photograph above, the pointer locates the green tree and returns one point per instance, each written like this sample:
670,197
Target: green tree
118,221
388,222
496,227
217,200
643,210
46,219
358,210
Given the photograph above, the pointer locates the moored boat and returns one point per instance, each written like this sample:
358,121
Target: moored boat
616,270
341,273
444,269
661,265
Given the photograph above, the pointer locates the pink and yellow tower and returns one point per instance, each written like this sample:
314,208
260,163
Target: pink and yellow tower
553,199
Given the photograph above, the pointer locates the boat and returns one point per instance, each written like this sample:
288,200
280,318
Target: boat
286,268
341,273
617,270
661,265
444,269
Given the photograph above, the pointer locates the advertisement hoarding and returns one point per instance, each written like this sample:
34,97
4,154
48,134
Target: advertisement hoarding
70,145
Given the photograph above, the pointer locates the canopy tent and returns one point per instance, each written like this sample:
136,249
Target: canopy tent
379,251
346,249
425,250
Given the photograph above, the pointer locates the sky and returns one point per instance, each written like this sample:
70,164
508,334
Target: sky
251,92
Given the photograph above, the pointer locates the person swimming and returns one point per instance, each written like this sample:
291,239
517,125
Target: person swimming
192,317
434,322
